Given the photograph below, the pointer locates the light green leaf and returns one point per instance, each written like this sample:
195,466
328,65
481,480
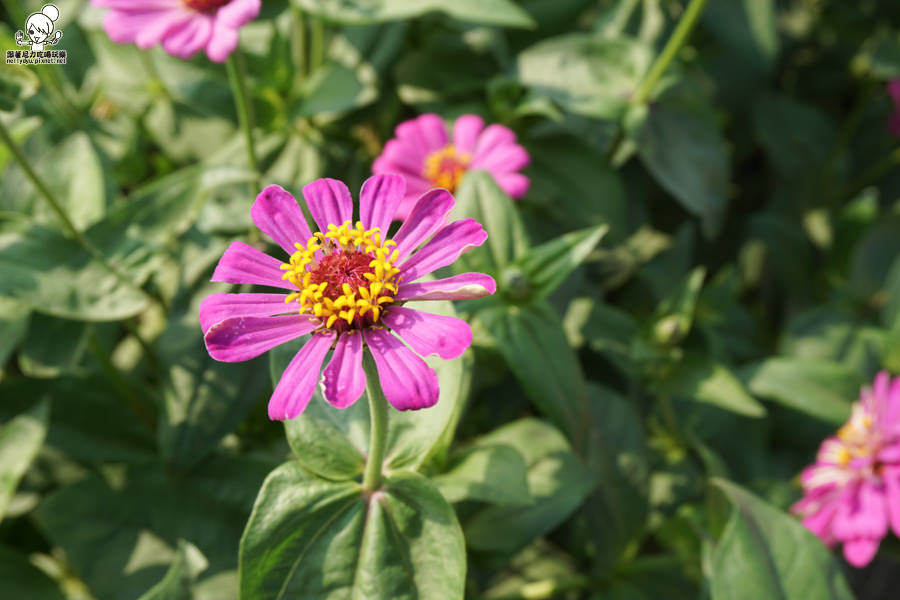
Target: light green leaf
586,74
318,539
764,553
683,147
20,441
557,480
701,379
822,388
494,474
546,266
364,12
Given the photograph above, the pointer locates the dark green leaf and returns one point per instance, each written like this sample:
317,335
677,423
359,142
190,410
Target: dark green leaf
546,266
178,582
20,440
20,579
701,379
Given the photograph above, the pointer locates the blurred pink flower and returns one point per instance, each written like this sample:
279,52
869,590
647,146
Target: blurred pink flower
893,88
183,27
346,285
852,492
429,156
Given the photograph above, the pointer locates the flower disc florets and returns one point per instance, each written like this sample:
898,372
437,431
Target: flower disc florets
445,167
344,276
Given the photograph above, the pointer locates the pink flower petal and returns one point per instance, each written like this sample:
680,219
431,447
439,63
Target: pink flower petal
184,41
222,42
515,185
502,159
891,478
861,514
860,551
329,202
378,201
819,523
427,216
427,334
466,286
218,307
493,136
433,130
237,13
444,248
344,379
245,264
400,156
466,130
298,382
408,383
241,338
278,215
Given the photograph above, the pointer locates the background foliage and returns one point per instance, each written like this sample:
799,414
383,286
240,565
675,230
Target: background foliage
701,276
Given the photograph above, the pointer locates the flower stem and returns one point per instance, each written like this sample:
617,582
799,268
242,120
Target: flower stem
238,80
378,427
299,46
62,215
673,45
317,45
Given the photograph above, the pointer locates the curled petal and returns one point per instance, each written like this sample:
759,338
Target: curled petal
344,379
444,248
466,286
408,383
427,334
241,338
298,382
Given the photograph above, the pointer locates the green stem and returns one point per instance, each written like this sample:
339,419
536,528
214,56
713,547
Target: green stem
299,47
238,80
676,41
619,20
317,45
61,214
378,427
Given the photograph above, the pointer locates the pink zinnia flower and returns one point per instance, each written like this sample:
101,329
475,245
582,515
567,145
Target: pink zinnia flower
183,27
893,88
347,285
430,157
852,492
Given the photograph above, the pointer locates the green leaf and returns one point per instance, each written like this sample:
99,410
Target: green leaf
532,341
492,474
546,266
365,12
701,379
56,276
414,438
179,580
337,89
557,481
14,318
312,538
53,346
764,553
618,460
479,197
585,74
20,441
648,578
683,147
20,579
822,388
675,315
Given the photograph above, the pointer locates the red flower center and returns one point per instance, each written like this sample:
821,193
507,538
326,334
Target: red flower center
338,269
206,5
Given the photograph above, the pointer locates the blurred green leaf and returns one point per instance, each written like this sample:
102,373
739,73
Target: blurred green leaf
178,582
495,474
336,89
313,538
533,573
557,481
21,579
700,379
821,388
764,553
585,74
20,440
363,12
14,318
54,346
675,315
683,147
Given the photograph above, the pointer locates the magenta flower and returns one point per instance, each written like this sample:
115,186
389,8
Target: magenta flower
852,492
893,88
183,27
430,157
346,285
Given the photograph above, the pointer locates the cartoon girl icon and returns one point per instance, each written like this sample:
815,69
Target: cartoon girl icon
39,28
